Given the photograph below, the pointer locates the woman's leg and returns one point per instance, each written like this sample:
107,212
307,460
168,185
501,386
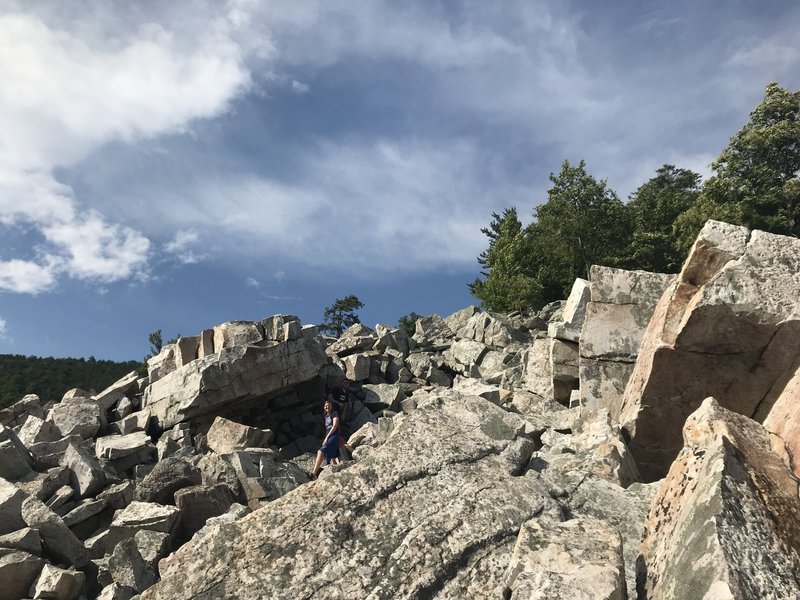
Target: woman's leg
318,463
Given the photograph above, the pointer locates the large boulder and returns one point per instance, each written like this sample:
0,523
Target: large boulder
225,436
83,417
728,327
234,374
86,475
236,333
18,571
617,314
462,453
572,315
166,478
16,413
356,338
15,460
580,558
726,521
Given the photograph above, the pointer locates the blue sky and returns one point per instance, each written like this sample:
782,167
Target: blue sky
176,165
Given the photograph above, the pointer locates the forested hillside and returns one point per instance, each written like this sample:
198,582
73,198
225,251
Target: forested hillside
50,377
583,222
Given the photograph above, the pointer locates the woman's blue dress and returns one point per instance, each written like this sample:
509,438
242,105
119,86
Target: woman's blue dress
331,448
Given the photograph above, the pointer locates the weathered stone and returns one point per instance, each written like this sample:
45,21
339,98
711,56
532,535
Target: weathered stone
175,442
214,469
84,511
161,364
421,366
279,477
25,540
235,374
729,327
225,436
281,328
125,451
726,521
29,405
115,392
86,475
462,551
568,328
391,338
206,346
116,592
459,319
784,416
128,568
463,355
491,330
186,350
167,477
431,330
76,393
123,408
475,387
18,571
357,366
622,303
37,430
15,460
199,503
138,516
47,455
356,338
384,394
118,495
537,368
577,559
60,497
236,333
78,417
57,583
153,546
59,542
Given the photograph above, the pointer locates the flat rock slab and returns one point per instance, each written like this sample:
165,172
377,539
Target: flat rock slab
434,511
234,374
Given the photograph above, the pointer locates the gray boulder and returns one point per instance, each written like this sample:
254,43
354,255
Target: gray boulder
166,478
18,571
237,373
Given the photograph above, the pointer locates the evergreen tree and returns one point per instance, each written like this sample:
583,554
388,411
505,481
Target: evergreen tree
341,315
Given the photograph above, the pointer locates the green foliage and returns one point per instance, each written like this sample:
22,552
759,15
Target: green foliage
654,207
156,344
508,283
341,315
408,323
50,378
756,176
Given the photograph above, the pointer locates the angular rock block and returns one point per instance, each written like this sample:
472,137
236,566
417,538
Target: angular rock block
235,374
725,522
728,327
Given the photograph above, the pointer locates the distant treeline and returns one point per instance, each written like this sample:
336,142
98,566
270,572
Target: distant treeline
50,377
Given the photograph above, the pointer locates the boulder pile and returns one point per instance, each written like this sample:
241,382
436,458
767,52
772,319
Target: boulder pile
638,440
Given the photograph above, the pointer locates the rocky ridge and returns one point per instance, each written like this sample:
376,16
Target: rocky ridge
493,456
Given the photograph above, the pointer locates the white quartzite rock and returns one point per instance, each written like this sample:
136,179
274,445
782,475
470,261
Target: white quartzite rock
225,436
729,327
577,559
573,313
621,305
234,374
463,449
725,522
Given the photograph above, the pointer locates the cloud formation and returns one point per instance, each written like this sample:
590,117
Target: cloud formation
66,93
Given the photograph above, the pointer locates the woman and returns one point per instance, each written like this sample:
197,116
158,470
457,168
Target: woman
330,445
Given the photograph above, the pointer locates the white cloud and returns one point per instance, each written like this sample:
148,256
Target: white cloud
252,282
70,88
3,329
27,277
298,87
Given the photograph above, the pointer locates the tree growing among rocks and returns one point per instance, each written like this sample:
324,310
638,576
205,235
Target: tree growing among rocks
341,315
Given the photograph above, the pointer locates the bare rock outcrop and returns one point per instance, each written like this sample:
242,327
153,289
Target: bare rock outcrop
726,520
460,452
728,327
